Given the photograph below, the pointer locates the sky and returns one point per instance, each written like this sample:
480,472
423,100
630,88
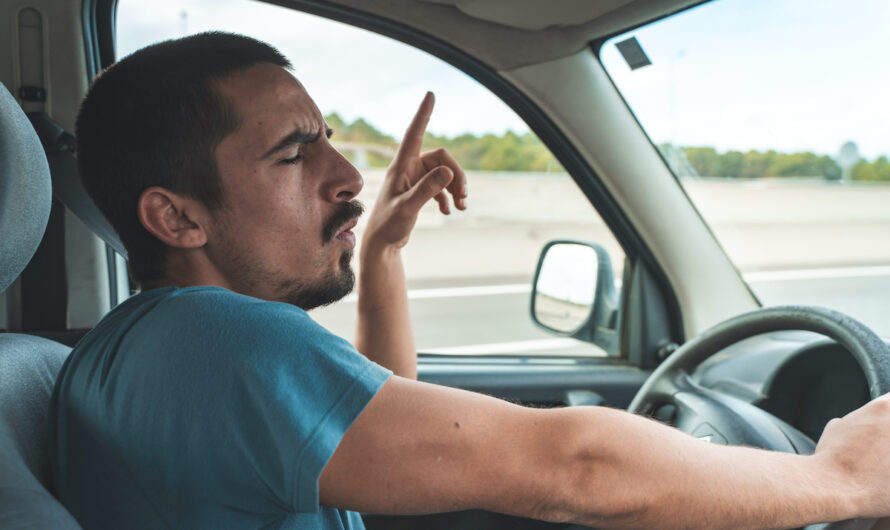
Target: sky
345,69
790,75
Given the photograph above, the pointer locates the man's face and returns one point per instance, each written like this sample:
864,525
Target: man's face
283,232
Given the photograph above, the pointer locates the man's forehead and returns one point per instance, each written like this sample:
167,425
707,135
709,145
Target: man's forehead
269,101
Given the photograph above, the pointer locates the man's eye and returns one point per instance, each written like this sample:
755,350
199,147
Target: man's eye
293,160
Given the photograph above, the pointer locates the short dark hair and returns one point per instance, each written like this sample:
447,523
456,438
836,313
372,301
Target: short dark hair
155,118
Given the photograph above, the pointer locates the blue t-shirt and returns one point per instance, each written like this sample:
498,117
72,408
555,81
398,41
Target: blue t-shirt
202,408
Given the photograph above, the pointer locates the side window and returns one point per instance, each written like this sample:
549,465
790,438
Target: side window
469,274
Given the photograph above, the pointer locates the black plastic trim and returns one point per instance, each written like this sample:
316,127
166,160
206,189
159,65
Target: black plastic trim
106,27
111,266
44,283
98,19
539,380
90,40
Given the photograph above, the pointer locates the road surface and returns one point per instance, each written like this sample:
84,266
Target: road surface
494,319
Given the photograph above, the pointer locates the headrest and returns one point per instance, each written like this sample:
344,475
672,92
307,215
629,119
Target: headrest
25,190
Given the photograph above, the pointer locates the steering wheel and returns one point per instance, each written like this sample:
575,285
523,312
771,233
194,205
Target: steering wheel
720,418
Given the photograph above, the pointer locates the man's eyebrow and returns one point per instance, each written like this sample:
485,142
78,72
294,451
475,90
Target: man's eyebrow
294,138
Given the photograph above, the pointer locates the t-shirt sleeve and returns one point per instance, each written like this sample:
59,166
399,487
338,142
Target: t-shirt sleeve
292,389
308,387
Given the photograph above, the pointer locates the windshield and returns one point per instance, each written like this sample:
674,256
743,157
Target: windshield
774,116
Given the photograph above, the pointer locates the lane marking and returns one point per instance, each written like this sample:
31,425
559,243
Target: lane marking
751,277
459,292
479,290
507,347
816,274
553,344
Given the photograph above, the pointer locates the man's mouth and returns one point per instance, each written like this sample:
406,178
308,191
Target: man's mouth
345,235
340,224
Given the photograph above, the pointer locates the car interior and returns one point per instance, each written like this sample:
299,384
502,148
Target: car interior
685,337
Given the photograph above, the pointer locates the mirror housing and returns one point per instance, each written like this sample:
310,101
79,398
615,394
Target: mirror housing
574,293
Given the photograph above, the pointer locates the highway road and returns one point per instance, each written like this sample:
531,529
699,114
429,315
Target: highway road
469,273
494,319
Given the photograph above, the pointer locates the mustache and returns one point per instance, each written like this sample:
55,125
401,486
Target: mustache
345,212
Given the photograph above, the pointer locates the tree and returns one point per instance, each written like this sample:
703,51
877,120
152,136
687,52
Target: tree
525,152
877,171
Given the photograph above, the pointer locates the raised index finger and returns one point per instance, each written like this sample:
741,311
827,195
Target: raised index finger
413,139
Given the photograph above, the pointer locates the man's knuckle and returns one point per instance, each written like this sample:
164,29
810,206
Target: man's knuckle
881,406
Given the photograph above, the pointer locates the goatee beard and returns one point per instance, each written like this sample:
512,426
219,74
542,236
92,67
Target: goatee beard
335,287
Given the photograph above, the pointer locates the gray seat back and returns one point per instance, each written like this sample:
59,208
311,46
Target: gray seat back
28,365
28,369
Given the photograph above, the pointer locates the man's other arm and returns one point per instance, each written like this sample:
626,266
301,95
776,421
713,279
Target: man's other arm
420,448
384,332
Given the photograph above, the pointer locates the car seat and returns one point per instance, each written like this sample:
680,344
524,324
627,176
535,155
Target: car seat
28,364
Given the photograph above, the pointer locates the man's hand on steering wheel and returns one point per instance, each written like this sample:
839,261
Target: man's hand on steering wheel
855,448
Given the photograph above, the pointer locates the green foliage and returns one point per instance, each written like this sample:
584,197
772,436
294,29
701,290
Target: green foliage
876,171
358,131
707,162
525,152
508,152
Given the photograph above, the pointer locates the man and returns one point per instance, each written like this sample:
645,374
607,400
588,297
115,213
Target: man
211,400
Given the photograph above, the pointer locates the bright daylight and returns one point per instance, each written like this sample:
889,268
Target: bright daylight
445,264
774,131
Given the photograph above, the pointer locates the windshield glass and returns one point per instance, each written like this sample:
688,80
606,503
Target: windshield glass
774,116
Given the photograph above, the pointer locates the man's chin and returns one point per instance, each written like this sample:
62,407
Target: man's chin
333,288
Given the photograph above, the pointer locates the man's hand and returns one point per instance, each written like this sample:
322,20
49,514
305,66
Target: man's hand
384,326
855,450
412,179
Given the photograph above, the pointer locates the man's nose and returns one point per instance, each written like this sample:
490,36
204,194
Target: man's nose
344,181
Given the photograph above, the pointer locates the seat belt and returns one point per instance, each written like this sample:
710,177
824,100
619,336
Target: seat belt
60,147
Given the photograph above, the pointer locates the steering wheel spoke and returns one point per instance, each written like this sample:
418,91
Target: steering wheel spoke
720,418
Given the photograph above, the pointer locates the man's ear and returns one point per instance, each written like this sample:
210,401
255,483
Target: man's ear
175,220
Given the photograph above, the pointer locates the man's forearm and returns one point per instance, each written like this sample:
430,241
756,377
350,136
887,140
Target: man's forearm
631,472
443,449
384,331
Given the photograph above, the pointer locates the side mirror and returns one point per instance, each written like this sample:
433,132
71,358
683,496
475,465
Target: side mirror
574,293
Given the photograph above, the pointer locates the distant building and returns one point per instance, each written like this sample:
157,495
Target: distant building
847,159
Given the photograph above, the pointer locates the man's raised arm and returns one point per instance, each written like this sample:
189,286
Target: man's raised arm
384,331
419,448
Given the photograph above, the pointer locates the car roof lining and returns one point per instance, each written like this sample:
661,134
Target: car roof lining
526,14
508,34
